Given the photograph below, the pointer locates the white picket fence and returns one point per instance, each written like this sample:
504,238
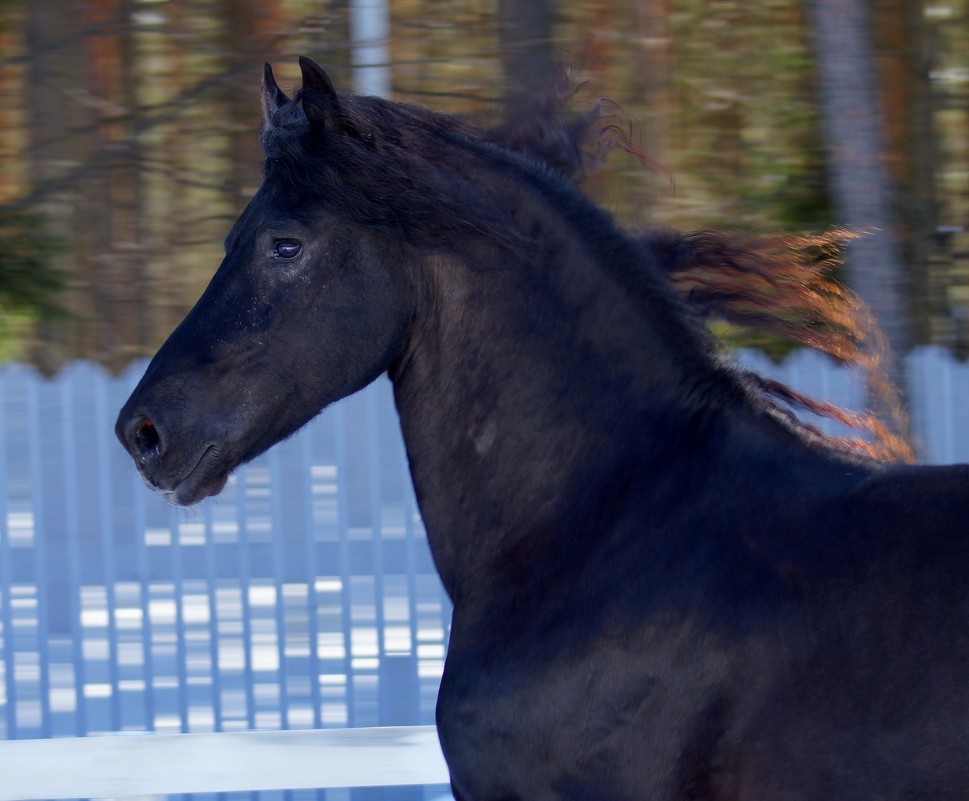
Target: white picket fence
288,635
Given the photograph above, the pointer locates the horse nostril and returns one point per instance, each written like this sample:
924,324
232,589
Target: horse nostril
143,438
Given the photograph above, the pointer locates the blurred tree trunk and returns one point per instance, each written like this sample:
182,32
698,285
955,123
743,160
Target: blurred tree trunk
528,55
85,168
654,67
370,46
123,309
101,229
53,115
138,302
904,59
241,25
855,141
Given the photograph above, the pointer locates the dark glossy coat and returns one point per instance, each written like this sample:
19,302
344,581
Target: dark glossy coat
662,588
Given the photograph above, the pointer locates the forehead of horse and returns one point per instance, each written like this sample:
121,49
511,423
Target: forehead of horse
269,208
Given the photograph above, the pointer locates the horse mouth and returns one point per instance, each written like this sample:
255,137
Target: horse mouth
205,478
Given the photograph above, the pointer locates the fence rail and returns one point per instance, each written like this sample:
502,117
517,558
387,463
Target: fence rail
303,598
164,764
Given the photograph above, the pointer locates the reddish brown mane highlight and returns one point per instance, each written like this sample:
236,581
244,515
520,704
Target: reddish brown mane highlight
783,285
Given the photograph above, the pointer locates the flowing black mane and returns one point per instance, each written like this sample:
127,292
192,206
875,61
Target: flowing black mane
402,170
415,175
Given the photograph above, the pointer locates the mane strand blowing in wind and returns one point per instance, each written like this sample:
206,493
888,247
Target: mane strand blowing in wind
782,284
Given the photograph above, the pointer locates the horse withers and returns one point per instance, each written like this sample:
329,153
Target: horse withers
663,587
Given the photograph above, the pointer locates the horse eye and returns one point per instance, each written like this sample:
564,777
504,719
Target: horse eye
287,249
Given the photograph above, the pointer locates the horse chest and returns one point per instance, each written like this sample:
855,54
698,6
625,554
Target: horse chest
597,716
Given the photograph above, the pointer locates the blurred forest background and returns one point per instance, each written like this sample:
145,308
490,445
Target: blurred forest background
128,135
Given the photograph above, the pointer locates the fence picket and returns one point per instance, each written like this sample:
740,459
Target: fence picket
303,597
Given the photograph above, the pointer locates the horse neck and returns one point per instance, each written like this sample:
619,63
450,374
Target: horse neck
519,378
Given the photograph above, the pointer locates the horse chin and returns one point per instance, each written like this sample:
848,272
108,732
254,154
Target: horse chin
207,477
189,493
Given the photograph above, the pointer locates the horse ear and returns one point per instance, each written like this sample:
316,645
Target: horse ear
273,98
320,101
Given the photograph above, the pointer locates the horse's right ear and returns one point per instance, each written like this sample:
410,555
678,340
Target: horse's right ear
273,98
321,104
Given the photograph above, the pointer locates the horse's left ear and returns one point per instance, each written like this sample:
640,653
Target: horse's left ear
320,101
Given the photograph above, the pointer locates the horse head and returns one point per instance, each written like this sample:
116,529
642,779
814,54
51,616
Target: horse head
303,310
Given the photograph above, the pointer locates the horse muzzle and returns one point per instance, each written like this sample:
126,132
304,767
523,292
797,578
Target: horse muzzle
184,476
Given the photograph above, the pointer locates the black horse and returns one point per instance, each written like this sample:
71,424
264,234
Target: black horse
663,587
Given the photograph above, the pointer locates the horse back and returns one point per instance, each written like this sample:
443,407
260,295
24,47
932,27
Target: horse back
869,694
